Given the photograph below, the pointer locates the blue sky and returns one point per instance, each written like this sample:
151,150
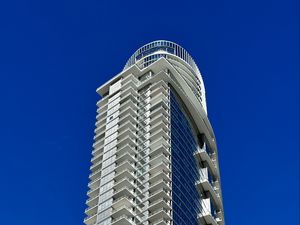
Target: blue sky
54,54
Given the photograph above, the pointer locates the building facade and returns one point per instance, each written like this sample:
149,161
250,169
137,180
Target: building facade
155,158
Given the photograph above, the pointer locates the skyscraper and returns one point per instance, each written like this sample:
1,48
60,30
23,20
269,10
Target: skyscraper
155,158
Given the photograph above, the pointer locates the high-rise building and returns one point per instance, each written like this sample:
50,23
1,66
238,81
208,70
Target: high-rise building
155,159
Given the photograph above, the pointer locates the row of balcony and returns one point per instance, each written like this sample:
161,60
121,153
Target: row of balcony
128,134
126,161
123,205
209,187
159,189
129,81
128,89
130,109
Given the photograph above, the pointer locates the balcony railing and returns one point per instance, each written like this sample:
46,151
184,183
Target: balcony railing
205,159
206,218
123,220
206,187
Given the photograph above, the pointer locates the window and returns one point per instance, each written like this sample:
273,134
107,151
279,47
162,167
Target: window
186,205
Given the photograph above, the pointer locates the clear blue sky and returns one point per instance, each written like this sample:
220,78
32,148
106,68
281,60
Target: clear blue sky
54,54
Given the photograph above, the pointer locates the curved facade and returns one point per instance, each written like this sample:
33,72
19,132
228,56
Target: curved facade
155,157
177,56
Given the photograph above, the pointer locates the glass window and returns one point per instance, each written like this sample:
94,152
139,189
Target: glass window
185,170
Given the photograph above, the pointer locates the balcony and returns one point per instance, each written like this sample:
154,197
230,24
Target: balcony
100,127
95,174
102,110
206,218
98,142
162,103
123,166
102,101
97,157
123,201
159,194
125,126
123,220
92,201
128,104
160,184
129,90
160,203
158,176
131,81
124,192
93,192
205,187
100,115
160,158
162,222
127,133
123,211
160,110
162,148
130,98
125,141
159,87
96,166
91,220
100,122
204,158
127,148
158,215
124,174
125,157
159,97
126,117
159,133
131,110
162,167
91,211
125,182
98,149
159,118
159,142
